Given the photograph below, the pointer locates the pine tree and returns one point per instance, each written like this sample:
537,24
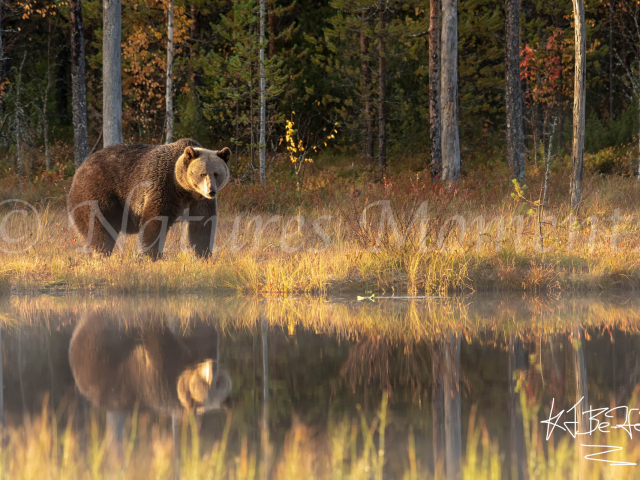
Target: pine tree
230,89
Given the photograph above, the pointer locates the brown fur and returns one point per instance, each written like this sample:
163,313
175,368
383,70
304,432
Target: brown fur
158,182
117,366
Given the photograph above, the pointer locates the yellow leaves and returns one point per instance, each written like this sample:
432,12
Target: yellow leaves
298,151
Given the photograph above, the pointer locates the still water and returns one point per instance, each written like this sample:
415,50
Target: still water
203,387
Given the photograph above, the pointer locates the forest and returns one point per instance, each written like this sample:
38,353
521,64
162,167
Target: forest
517,121
364,67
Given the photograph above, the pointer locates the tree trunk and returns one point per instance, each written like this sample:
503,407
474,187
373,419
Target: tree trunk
382,90
79,89
18,115
434,89
112,74
1,52
560,114
449,92
169,94
45,102
437,407
452,410
1,367
252,149
515,136
264,441
366,90
263,101
580,369
517,359
611,116
579,97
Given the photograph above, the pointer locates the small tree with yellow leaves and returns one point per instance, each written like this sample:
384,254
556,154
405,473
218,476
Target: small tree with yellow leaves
298,152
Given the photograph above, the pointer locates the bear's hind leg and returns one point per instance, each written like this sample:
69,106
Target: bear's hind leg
102,241
92,227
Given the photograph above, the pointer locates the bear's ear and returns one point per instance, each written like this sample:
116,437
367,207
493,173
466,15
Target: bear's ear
225,154
189,154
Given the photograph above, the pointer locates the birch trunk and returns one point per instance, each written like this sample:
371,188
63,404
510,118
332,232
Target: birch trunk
449,92
265,400
79,89
579,97
169,94
382,90
437,407
434,89
515,134
111,73
452,409
366,90
580,368
263,100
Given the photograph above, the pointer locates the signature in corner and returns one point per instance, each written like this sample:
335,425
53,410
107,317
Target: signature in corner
611,449
596,423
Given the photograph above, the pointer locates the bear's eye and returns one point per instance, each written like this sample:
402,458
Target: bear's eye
203,175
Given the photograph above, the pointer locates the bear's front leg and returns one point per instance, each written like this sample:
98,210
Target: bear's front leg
154,224
202,232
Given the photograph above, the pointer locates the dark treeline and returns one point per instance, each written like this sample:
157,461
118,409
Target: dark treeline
361,64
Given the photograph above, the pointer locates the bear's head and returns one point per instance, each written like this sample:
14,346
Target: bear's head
203,387
204,172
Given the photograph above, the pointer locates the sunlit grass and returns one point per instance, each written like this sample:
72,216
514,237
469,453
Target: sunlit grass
592,252
45,447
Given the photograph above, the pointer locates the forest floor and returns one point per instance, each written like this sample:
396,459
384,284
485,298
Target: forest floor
332,231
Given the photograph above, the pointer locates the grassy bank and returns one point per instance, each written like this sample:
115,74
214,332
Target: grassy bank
317,236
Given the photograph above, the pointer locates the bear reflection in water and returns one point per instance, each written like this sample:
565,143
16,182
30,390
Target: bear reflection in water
116,366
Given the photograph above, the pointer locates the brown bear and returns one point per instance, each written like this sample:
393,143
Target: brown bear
144,189
118,366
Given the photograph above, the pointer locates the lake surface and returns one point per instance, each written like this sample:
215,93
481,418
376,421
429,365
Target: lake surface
199,386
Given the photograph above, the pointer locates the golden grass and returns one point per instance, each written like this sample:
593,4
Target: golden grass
493,318
592,252
44,447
